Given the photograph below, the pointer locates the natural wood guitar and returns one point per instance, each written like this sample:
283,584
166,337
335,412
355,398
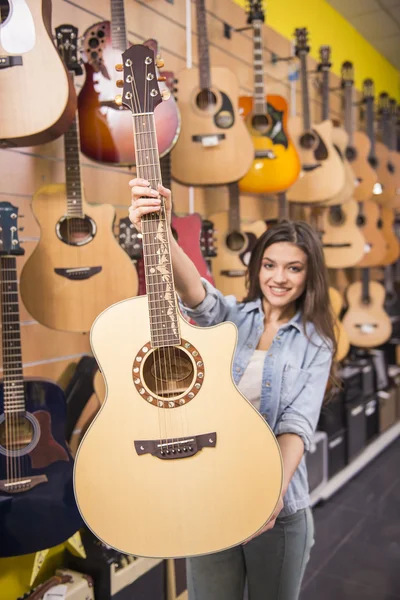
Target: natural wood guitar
105,124
387,217
389,146
214,146
342,339
31,66
175,492
342,239
366,322
276,164
370,223
359,145
78,268
395,155
235,243
340,137
322,175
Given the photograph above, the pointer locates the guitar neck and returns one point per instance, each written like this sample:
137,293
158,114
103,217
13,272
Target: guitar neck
160,285
260,104
325,94
202,45
386,130
365,286
118,26
349,113
14,397
304,91
389,278
73,168
234,207
370,125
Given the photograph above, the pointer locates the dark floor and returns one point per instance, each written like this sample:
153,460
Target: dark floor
357,551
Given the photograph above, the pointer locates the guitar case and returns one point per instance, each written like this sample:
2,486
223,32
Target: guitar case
78,391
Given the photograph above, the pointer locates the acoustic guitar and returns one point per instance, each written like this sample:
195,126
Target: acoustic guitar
276,165
235,241
175,492
342,339
340,137
342,238
322,175
395,155
30,66
359,145
389,142
379,156
370,223
392,301
366,321
387,217
78,268
214,146
105,124
37,506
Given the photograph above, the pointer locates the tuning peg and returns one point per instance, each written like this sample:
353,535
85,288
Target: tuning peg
118,99
159,62
161,78
166,94
120,83
119,67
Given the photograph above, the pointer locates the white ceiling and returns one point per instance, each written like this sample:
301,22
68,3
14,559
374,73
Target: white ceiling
378,21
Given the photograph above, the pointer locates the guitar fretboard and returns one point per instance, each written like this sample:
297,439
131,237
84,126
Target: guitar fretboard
370,125
304,91
160,285
234,207
202,45
325,93
349,112
14,397
73,168
118,25
260,104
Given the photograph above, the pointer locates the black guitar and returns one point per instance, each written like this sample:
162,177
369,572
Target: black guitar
37,504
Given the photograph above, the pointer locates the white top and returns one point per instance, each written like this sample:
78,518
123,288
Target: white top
251,382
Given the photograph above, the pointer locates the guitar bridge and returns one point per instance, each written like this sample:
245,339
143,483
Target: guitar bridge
21,485
10,61
78,273
176,447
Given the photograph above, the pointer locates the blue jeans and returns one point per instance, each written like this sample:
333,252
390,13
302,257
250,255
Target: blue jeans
273,563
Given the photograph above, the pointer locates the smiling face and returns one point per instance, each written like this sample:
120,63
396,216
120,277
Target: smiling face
283,274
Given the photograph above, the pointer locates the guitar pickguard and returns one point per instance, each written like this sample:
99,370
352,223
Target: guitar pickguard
225,117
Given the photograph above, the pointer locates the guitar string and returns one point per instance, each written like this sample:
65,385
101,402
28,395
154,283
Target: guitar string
6,420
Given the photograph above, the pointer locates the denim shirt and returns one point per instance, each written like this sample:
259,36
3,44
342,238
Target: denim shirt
295,373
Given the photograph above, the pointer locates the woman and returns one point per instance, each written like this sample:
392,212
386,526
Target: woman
282,363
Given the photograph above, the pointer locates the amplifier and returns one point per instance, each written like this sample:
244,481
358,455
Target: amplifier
387,408
371,417
352,382
356,428
176,579
317,461
79,588
381,369
337,459
332,419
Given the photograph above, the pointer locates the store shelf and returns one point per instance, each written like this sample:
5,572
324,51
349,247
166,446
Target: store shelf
371,451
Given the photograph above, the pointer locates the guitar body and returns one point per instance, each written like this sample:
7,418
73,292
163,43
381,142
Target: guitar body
183,506
276,165
234,249
342,339
66,300
364,173
392,241
370,225
43,515
342,240
323,174
37,97
367,325
386,177
105,128
225,159
340,139
188,231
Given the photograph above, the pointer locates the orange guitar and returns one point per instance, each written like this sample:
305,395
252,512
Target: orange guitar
276,164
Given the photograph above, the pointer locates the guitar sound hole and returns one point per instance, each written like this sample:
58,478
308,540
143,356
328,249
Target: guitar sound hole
336,216
379,223
350,153
235,241
360,221
16,432
206,99
307,141
76,231
261,123
4,10
168,372
390,167
373,161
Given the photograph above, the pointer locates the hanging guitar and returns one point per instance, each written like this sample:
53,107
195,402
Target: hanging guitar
214,146
342,239
342,339
370,223
276,165
322,174
104,122
37,506
386,150
392,302
359,145
78,268
395,155
175,491
29,66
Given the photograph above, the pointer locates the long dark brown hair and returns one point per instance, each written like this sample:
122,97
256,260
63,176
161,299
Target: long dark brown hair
314,302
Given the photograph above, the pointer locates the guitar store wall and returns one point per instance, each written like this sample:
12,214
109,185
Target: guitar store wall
48,353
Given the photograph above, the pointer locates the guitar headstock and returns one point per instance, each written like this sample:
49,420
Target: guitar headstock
9,242
393,109
347,74
67,46
255,11
140,89
384,104
368,89
301,35
130,239
325,58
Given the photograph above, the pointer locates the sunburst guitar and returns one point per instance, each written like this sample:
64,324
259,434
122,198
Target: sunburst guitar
342,339
276,164
175,492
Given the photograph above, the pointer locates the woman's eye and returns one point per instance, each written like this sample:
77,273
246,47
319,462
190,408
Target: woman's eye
268,265
296,269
